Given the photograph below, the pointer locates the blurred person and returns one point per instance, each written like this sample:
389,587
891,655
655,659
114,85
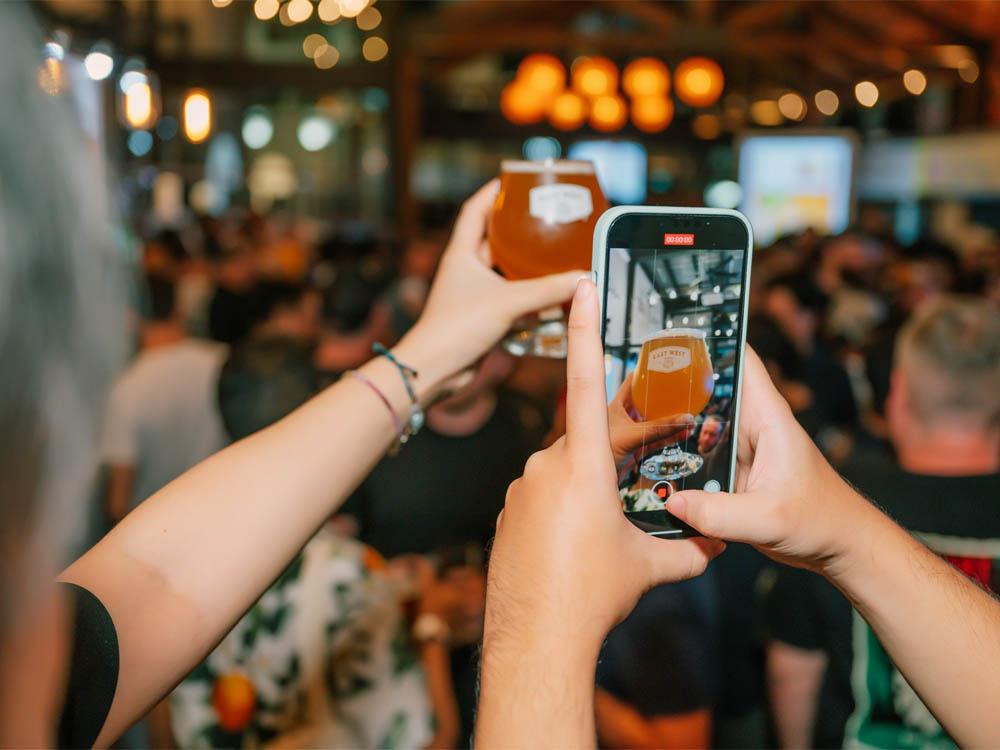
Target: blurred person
229,312
161,417
943,412
710,434
441,495
83,659
325,658
566,565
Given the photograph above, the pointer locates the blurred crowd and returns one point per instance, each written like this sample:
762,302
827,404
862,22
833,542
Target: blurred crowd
241,319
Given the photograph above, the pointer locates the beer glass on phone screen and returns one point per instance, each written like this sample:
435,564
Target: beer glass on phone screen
542,223
673,377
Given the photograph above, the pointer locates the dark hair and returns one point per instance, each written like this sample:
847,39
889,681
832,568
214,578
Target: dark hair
268,297
161,298
801,286
263,380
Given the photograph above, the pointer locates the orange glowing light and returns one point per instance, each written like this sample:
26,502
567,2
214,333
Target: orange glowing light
521,104
651,114
197,116
595,76
608,113
568,111
544,73
646,77
699,81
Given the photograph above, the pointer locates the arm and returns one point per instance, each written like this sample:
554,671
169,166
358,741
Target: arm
178,572
436,660
121,481
794,676
566,566
938,627
621,726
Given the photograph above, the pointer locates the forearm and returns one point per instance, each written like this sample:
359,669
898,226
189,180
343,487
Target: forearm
619,725
938,627
178,572
536,692
436,661
794,676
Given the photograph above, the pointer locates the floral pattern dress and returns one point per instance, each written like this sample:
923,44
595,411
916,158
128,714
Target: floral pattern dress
323,659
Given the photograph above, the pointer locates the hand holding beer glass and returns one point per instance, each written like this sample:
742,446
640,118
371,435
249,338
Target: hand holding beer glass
673,376
543,223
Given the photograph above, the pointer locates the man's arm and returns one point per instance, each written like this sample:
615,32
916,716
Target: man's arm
121,483
619,725
794,676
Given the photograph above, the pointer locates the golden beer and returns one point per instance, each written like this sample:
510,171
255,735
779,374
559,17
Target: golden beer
674,374
544,216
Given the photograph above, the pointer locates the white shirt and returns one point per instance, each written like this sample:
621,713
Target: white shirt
163,416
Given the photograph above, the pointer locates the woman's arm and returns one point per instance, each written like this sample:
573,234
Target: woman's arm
179,571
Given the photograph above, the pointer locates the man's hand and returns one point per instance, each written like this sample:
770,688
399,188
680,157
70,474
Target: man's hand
629,435
790,503
566,567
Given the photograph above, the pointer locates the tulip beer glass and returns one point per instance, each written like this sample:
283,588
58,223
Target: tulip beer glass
543,222
673,377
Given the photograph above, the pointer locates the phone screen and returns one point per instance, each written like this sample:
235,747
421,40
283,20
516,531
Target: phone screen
674,315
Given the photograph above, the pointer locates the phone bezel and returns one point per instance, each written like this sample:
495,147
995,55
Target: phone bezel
599,260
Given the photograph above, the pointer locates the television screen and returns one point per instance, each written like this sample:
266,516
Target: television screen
791,182
621,168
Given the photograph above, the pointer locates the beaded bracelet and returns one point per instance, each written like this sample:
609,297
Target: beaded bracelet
396,421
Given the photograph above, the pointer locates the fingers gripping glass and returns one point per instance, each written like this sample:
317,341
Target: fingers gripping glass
673,376
543,223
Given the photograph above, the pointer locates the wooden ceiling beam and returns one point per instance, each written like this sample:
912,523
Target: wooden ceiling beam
747,16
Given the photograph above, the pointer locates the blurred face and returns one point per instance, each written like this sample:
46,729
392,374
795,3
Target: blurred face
710,435
494,369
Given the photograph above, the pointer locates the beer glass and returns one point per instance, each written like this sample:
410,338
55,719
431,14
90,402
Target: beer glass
542,223
673,376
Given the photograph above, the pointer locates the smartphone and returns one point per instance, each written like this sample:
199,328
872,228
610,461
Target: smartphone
673,285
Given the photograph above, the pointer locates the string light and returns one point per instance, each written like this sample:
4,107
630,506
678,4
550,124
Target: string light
827,102
312,44
568,111
197,112
765,112
707,127
608,113
699,81
329,11
139,104
352,8
265,10
98,64
866,93
792,106
299,10
326,57
651,114
221,3
594,76
544,73
646,77
915,82
369,19
522,104
374,49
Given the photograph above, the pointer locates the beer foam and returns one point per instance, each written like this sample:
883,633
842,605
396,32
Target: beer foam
562,166
675,332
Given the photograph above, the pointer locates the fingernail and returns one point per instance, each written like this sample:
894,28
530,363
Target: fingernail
676,503
584,287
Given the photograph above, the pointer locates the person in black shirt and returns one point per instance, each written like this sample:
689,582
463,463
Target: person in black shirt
943,411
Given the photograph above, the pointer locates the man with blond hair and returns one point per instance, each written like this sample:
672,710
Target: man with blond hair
830,679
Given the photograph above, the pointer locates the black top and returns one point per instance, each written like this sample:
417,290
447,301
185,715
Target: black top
661,659
441,493
93,671
808,612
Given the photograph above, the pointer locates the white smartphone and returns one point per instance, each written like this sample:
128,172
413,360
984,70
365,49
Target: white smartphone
673,285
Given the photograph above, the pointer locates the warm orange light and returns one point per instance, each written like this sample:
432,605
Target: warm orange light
699,81
139,105
792,106
707,127
522,104
197,116
595,76
568,111
646,77
608,113
651,114
544,73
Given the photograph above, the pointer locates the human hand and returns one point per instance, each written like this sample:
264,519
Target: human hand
566,563
470,306
628,435
788,501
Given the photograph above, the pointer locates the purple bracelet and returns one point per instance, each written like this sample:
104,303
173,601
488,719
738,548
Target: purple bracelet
397,423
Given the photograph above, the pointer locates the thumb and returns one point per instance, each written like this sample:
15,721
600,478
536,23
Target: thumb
738,518
679,559
531,295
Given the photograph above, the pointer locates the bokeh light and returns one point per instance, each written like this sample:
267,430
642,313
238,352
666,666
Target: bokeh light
608,113
98,64
594,76
258,129
312,43
866,93
140,142
315,132
707,127
651,114
521,104
265,10
540,148
197,116
792,106
544,73
328,10
968,71
914,81
723,194
568,111
766,112
369,18
699,81
646,77
827,102
352,8
326,57
139,104
299,10
374,49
